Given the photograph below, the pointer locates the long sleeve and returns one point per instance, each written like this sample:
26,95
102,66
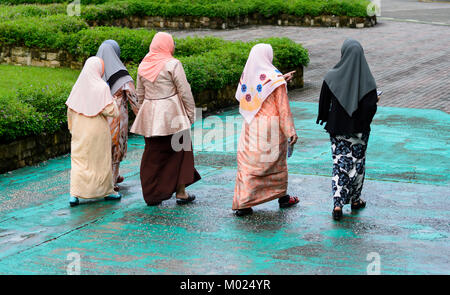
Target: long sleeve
111,110
140,90
69,120
132,98
284,110
184,90
324,104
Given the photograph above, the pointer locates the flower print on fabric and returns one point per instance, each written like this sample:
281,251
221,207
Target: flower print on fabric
349,156
358,150
244,88
342,148
259,88
346,163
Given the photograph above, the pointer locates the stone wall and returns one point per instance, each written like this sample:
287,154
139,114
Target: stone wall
200,22
33,150
16,55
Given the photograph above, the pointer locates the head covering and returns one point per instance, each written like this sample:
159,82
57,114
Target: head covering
116,73
350,79
90,94
114,44
161,50
259,79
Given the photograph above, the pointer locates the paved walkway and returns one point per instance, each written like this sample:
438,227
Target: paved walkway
405,223
437,12
410,61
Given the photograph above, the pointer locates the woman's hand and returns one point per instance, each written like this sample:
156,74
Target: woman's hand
293,139
289,76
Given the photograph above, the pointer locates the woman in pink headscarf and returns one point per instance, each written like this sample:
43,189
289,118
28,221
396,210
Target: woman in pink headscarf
89,103
166,113
262,173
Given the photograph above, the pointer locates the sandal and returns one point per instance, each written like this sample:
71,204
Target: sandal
189,199
73,201
120,179
113,197
287,201
243,212
154,204
359,204
337,214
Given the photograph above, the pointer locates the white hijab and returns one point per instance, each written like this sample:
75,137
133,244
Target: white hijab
90,94
259,79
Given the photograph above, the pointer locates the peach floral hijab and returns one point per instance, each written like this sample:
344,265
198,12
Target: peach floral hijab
259,79
90,94
161,50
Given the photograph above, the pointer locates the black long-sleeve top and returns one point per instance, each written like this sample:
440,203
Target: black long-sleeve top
338,122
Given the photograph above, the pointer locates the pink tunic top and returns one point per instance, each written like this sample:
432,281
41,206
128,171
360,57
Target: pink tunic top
167,104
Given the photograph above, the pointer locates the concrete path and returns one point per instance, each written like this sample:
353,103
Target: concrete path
426,11
410,61
405,223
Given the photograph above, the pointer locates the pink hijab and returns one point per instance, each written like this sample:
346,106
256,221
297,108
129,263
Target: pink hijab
161,50
259,79
90,94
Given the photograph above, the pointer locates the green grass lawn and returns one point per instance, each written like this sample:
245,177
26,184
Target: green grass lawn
15,77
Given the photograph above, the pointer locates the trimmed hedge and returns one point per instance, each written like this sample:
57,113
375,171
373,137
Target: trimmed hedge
210,63
102,10
223,8
33,111
208,56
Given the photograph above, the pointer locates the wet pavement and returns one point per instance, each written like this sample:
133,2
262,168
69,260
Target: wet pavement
406,221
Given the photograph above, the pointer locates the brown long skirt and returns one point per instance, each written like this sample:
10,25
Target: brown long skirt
163,169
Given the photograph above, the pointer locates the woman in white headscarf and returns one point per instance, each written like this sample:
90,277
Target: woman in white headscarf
89,104
348,103
262,173
123,92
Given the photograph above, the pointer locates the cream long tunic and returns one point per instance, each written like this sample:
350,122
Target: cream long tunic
166,105
91,174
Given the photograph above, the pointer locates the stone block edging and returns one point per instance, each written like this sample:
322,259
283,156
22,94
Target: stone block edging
202,22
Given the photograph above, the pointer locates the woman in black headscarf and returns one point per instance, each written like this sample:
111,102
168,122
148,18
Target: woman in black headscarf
122,89
348,102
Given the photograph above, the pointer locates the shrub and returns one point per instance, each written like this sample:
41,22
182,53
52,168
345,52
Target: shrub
103,10
48,32
32,111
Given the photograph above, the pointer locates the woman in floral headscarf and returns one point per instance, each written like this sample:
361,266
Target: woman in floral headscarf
262,173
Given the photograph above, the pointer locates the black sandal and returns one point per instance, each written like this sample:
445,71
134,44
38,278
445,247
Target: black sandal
361,204
188,200
287,201
154,204
337,214
243,212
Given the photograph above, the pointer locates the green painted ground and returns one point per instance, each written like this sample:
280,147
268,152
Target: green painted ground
406,221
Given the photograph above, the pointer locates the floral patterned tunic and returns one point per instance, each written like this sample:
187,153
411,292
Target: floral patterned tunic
119,125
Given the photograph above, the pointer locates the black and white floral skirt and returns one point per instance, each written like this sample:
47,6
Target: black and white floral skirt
349,158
